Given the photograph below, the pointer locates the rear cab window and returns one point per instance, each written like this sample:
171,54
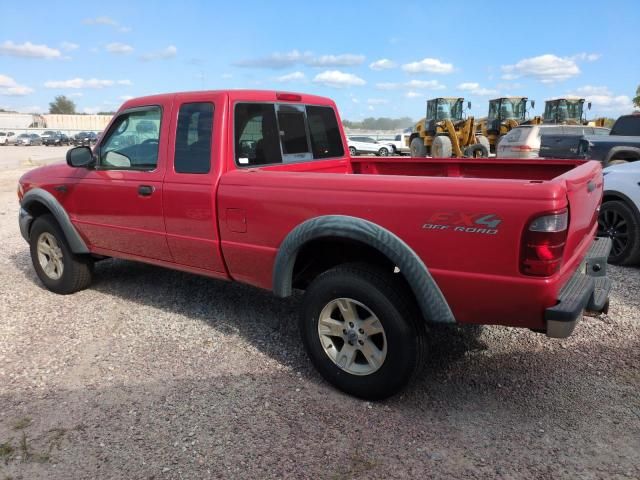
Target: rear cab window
627,125
271,133
193,138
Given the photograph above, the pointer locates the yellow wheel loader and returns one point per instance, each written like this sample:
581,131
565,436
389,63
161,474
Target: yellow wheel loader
445,133
505,114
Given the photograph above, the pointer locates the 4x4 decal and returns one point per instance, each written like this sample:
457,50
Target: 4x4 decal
483,223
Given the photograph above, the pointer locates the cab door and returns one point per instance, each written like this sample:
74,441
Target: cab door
189,192
117,206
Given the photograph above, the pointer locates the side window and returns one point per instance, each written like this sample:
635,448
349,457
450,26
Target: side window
293,132
256,134
193,138
326,141
132,141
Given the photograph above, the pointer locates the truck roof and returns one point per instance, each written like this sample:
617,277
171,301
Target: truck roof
234,95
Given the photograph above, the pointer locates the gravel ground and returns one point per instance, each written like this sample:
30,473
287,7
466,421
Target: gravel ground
158,374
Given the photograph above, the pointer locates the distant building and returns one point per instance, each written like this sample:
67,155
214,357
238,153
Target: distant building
22,121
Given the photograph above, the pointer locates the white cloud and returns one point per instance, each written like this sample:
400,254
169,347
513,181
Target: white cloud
412,94
586,57
603,99
28,50
76,94
82,83
547,68
69,46
280,60
338,79
476,89
343,60
377,101
165,53
382,64
119,48
412,85
10,88
432,65
291,77
106,21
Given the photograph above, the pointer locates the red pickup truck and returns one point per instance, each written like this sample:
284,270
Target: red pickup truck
258,187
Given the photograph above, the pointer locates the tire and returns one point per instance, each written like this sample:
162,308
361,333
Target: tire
476,150
441,147
618,221
352,151
367,292
418,148
69,272
484,141
383,152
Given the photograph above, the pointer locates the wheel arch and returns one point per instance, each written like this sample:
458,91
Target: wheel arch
614,195
623,153
375,243
37,202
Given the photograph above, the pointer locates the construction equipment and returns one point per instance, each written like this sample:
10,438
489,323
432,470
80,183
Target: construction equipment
569,111
445,133
505,113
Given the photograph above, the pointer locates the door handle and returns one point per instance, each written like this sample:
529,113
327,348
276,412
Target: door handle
145,190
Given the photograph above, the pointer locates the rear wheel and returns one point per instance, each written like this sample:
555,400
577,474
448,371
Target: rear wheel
441,147
58,268
480,149
620,223
418,148
352,151
362,333
383,152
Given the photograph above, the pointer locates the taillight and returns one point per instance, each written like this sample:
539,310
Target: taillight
543,244
288,97
521,148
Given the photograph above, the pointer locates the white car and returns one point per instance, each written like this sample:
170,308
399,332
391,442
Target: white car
368,145
620,212
7,138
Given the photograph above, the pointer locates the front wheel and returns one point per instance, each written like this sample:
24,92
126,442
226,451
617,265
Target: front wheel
58,268
383,152
352,151
361,331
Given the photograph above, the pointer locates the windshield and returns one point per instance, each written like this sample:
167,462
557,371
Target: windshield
444,108
563,110
506,109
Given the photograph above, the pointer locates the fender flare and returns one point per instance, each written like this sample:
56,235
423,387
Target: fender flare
38,195
621,197
431,301
621,148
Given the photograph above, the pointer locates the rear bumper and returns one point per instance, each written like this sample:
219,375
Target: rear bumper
587,289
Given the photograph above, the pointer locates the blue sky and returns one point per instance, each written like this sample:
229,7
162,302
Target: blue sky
376,58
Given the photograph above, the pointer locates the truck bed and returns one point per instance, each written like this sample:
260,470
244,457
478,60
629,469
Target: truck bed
496,168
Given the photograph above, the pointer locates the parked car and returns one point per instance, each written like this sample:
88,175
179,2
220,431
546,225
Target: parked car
85,138
381,248
620,212
29,139
398,143
55,138
7,138
369,145
524,141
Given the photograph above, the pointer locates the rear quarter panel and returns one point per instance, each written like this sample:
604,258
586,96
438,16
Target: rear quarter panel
477,272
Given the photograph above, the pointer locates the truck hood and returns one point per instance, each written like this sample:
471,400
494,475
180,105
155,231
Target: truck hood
46,173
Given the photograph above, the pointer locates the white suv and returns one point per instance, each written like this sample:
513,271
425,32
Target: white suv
359,144
7,137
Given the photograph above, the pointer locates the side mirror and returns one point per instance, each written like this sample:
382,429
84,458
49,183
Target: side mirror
589,106
468,105
533,104
80,157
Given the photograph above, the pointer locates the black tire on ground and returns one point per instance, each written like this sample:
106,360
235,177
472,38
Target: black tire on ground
418,148
76,270
383,152
618,221
352,151
401,321
476,150
441,147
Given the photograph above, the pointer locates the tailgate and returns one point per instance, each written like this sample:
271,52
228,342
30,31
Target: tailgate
560,146
584,193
